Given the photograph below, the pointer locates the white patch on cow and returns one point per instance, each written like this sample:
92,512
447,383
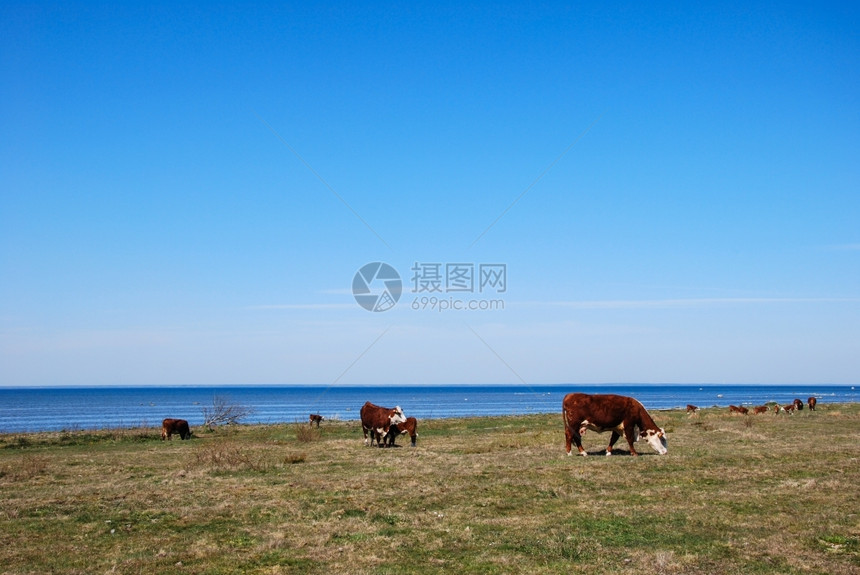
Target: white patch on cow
588,425
398,416
583,427
657,440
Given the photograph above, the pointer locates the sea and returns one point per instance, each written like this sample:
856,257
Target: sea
33,409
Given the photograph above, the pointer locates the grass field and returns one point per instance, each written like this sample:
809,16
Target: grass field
735,494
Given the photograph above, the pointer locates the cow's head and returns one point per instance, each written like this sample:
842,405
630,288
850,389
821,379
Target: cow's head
656,438
396,416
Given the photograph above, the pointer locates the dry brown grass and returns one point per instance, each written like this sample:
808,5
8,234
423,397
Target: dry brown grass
770,494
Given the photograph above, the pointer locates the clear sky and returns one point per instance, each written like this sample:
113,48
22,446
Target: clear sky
188,191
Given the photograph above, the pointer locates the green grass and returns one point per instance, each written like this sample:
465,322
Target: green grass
735,494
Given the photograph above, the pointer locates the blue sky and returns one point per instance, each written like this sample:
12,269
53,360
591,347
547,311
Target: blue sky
187,191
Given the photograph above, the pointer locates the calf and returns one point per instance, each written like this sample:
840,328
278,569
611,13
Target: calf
178,426
789,408
409,426
811,402
377,420
760,409
314,418
692,408
615,413
736,409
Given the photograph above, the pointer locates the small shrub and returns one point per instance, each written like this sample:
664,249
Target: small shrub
295,458
228,457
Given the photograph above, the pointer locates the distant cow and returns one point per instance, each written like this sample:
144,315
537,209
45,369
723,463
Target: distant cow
409,426
789,408
798,405
760,409
811,402
777,408
615,413
692,408
178,426
377,420
736,409
314,418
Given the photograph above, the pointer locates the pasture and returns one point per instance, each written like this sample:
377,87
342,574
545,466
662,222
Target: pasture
735,494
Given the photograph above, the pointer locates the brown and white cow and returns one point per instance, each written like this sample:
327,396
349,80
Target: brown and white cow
735,409
315,418
811,402
760,409
615,413
789,408
798,405
692,408
377,420
178,426
409,426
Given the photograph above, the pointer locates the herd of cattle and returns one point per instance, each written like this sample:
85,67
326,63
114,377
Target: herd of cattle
580,411
796,405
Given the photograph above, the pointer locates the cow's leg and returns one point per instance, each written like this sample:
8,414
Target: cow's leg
381,434
163,433
612,439
630,436
572,435
364,429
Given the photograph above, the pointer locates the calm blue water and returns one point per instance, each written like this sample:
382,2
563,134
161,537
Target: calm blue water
54,409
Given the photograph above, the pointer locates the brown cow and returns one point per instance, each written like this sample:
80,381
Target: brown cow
789,408
409,426
692,408
315,418
760,409
798,405
377,420
736,409
777,408
615,413
811,402
178,426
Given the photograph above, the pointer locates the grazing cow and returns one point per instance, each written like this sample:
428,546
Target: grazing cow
811,402
692,408
615,413
736,409
798,405
377,421
409,426
789,408
178,426
760,409
777,408
315,418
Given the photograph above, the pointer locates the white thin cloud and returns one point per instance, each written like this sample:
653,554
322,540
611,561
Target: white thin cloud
683,302
846,247
302,306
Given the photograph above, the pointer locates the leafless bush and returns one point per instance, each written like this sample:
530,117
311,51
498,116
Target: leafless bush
224,412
